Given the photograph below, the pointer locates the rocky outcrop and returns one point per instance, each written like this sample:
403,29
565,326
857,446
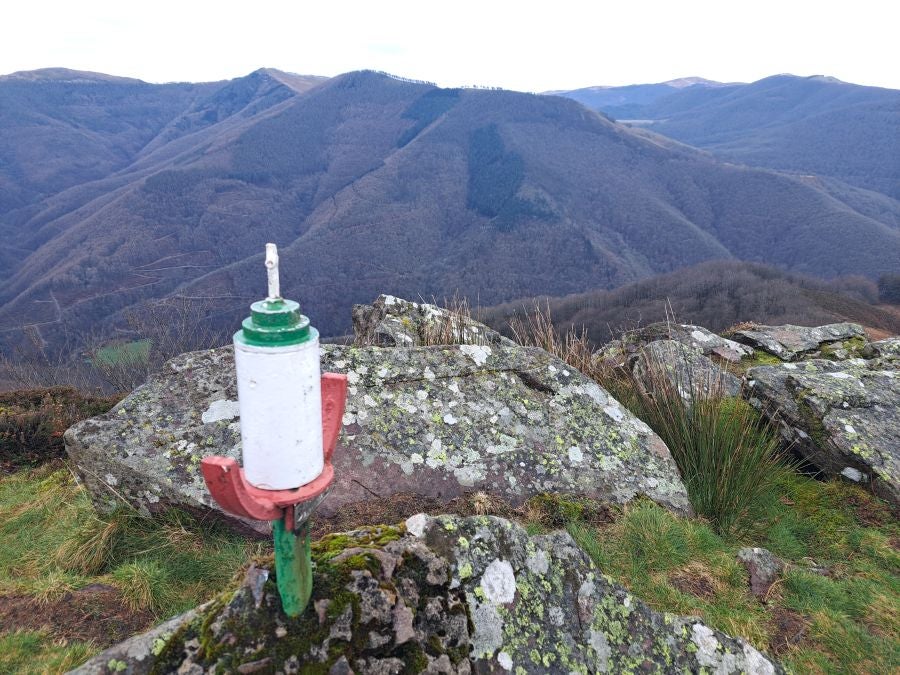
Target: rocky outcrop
841,416
789,343
394,322
437,421
688,372
887,352
697,338
438,595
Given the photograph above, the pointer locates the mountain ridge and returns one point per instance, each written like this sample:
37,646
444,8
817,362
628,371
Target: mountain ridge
816,124
375,184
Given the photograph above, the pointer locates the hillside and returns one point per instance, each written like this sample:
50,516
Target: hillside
717,295
816,125
373,184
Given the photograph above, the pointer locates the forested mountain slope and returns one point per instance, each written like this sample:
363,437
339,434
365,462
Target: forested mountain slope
373,184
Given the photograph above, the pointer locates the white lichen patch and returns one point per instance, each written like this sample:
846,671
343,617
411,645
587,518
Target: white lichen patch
416,524
575,454
223,409
468,475
756,663
499,582
487,637
614,412
600,645
478,353
538,563
505,661
707,644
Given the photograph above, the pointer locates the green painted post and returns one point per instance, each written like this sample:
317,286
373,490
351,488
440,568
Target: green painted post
293,567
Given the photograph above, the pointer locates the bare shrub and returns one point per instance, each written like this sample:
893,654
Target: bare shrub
157,331
32,365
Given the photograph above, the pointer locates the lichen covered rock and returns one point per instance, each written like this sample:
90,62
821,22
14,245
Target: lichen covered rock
789,343
438,595
437,421
887,352
694,376
394,322
699,339
843,417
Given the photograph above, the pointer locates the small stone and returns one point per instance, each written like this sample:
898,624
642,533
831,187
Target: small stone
764,568
853,474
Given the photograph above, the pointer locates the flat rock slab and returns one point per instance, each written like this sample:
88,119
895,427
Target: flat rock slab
790,343
691,374
394,322
436,421
843,417
699,339
438,595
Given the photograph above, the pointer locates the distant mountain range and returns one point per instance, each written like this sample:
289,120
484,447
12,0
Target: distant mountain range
631,96
114,192
815,125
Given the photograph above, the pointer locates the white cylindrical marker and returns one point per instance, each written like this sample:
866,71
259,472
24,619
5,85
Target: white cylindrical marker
276,356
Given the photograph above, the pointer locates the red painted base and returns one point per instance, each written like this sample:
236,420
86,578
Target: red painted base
227,485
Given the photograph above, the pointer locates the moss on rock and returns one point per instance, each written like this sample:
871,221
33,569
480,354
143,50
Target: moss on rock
415,598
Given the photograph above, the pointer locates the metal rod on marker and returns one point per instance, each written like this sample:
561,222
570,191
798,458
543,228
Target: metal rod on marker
272,271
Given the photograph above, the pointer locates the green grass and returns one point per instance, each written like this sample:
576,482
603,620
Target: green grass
137,351
52,541
684,566
36,652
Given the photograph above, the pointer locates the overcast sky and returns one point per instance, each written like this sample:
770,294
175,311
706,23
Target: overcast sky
529,46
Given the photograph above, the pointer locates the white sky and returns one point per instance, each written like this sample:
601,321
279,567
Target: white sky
525,45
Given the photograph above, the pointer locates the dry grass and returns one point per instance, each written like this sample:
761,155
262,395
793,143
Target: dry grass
536,329
453,327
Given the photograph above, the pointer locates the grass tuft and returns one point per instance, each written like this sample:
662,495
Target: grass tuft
145,584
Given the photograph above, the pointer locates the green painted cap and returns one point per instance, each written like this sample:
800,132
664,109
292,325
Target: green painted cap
274,323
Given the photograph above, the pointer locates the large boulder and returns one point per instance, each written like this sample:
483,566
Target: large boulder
790,343
688,372
699,339
844,417
437,421
394,322
438,595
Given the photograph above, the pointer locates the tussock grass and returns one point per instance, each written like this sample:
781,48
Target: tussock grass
730,460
